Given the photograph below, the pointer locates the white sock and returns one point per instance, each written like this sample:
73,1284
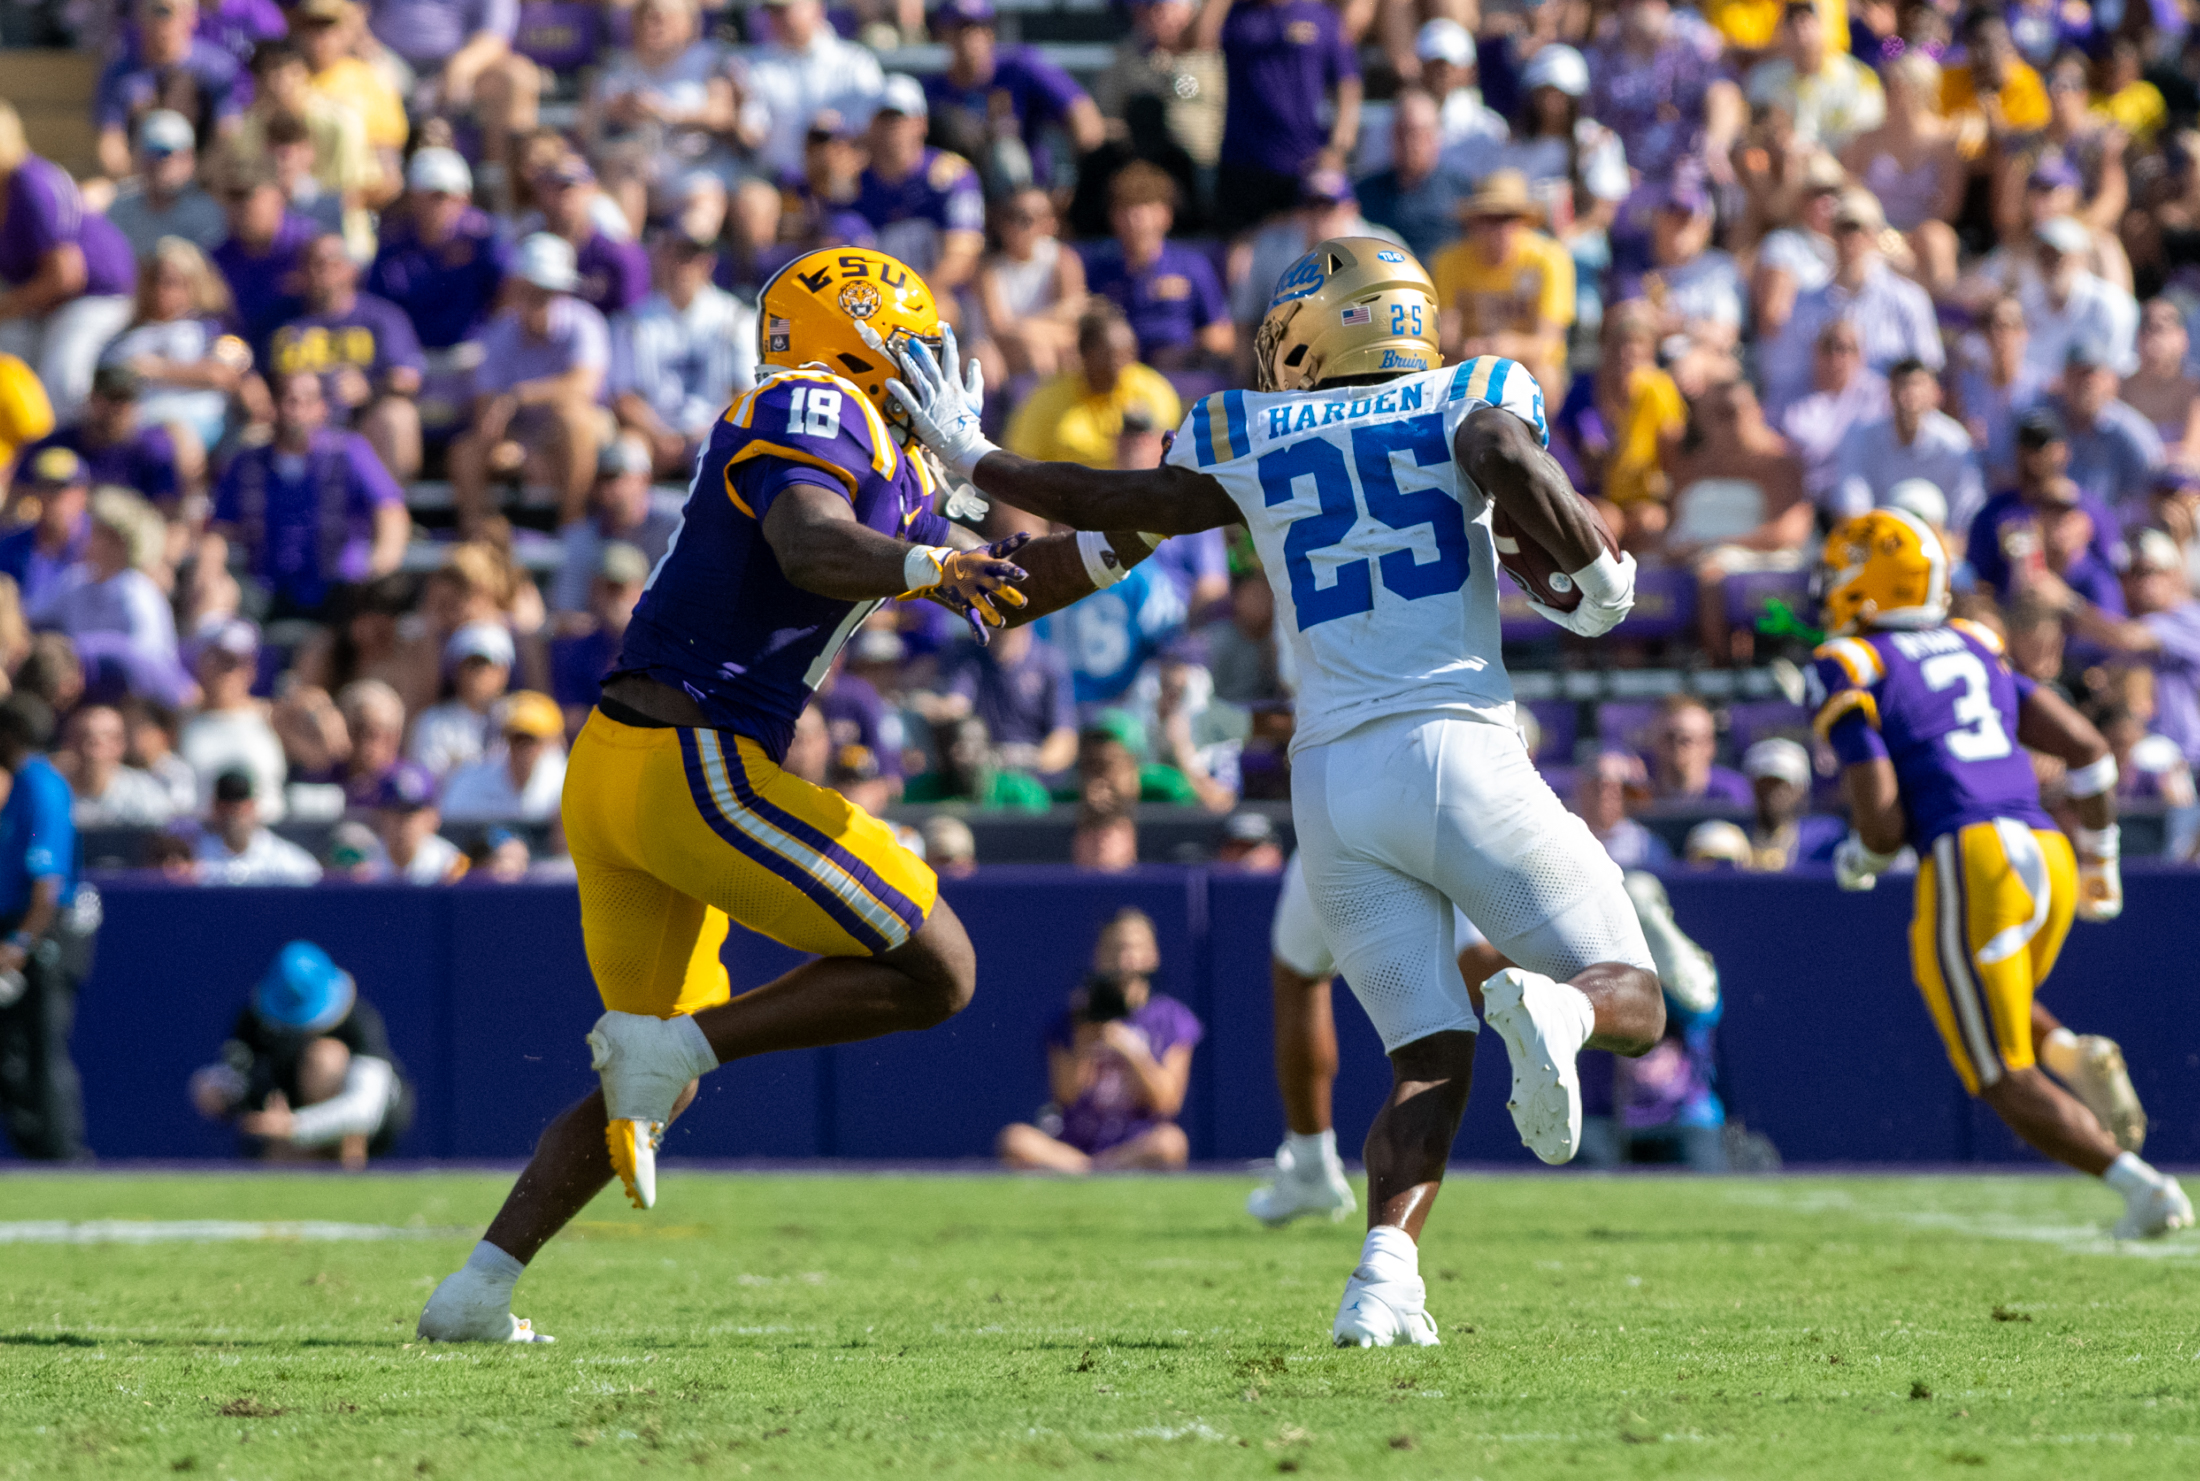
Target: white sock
1389,1254
2131,1177
2059,1052
702,1059
494,1266
1312,1149
1583,1017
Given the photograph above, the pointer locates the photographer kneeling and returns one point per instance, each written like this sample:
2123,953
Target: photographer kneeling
1118,1060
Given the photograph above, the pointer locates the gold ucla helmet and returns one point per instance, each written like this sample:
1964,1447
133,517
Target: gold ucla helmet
808,313
1882,569
1351,306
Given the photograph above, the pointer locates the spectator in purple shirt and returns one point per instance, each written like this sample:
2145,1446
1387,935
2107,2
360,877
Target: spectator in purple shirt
2163,630
171,67
1658,83
365,352
312,509
115,446
263,258
1286,60
442,262
37,557
109,604
925,204
539,386
614,275
236,26
460,54
1683,740
1168,291
993,104
2007,539
1023,691
65,272
588,642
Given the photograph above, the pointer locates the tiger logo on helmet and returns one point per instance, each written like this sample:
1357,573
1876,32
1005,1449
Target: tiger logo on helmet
1351,306
1883,569
809,311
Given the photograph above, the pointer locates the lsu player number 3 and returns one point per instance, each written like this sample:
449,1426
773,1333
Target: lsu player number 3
807,511
1366,471
1932,727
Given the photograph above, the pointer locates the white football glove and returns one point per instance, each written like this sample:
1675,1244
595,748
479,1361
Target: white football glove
1856,867
2100,874
943,410
1607,596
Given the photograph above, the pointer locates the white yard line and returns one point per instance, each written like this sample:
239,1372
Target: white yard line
210,1231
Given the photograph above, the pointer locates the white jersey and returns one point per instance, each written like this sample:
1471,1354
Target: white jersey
1376,542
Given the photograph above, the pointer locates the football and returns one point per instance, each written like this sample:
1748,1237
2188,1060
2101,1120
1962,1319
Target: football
1534,569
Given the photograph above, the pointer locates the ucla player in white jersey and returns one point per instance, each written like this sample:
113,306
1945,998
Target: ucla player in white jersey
1367,472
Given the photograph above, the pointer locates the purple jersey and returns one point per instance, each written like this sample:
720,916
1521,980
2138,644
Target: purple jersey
145,461
266,284
1025,85
45,211
911,215
307,520
614,275
1110,1113
372,337
719,618
1941,704
1282,60
208,87
448,291
1167,302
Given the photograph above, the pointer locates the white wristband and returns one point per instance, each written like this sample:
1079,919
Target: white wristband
1879,863
2091,781
2104,844
923,566
1102,564
1602,580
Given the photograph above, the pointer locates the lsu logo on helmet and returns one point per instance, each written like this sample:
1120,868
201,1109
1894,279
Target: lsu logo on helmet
808,313
1886,568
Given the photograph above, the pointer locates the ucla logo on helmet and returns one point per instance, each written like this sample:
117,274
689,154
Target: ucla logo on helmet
1400,360
859,300
1389,256
1305,276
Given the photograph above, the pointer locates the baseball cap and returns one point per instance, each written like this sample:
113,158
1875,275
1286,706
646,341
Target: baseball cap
1822,174
902,94
164,132
1686,195
566,169
232,637
1330,187
964,13
1557,66
351,844
548,262
321,10
1443,40
2155,550
1717,842
532,713
2054,173
489,640
304,990
55,468
1921,497
2065,234
622,564
1859,208
117,383
233,786
623,455
408,787
1248,827
439,171
2086,353
830,123
1784,759
2040,426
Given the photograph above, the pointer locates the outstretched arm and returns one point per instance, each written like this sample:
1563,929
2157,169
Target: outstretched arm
1166,500
1057,572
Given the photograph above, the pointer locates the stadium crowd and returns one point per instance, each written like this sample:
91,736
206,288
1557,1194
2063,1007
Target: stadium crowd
346,409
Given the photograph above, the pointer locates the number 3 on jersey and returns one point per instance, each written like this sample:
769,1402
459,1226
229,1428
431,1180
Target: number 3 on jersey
1352,590
1980,735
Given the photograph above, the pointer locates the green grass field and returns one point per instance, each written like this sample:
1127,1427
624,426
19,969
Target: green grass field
970,1326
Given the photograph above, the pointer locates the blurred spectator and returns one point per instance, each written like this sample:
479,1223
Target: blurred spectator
810,749
51,673
46,951
1241,647
1797,256
114,444
405,820
2162,632
1738,507
230,733
613,270
2114,451
822,190
2160,390
107,792
374,724
1119,1062
681,357
538,383
338,156
1249,843
1165,60
307,1071
949,845
803,68
588,644
2006,544
2149,766
152,730
365,352
1620,429
1031,292
1608,785
313,507
67,273
1508,289
1684,739
1168,291
2066,304
110,592
330,33
478,663
1575,166
1109,636
1894,318
1993,391
179,346
520,781
502,857
925,204
1105,840
1419,195
263,257
162,197
1450,71
167,66
1913,163
1078,415
1021,688
1918,440
25,413
442,262
234,847
460,56
967,769
1113,773
1784,834
1289,66
1656,80
995,104
38,556
1715,842
1695,289
661,108
1993,91
1831,96
623,506
2086,151
1327,208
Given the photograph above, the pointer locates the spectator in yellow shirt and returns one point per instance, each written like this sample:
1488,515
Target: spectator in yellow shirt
1077,416
1994,93
1623,429
1507,289
327,31
25,413
1750,25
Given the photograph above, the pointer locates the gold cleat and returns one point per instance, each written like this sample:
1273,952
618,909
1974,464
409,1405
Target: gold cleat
2104,1084
633,1147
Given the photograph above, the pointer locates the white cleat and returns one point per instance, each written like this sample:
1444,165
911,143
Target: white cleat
2103,1083
2162,1209
1384,1313
1523,1006
644,1065
1320,1188
466,1308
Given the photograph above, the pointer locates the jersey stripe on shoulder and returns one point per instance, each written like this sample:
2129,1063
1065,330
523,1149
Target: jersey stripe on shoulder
1233,409
1844,703
1859,660
1203,432
1986,636
1482,379
762,449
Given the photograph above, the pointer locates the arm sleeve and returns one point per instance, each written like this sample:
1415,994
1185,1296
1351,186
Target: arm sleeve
51,848
356,1110
370,481
398,343
1855,739
1343,61
804,431
1056,87
591,339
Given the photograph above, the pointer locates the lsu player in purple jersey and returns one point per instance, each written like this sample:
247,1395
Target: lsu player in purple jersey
806,513
1932,728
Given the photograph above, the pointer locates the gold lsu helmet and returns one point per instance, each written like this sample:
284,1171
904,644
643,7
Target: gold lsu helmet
1882,569
809,310
1350,306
